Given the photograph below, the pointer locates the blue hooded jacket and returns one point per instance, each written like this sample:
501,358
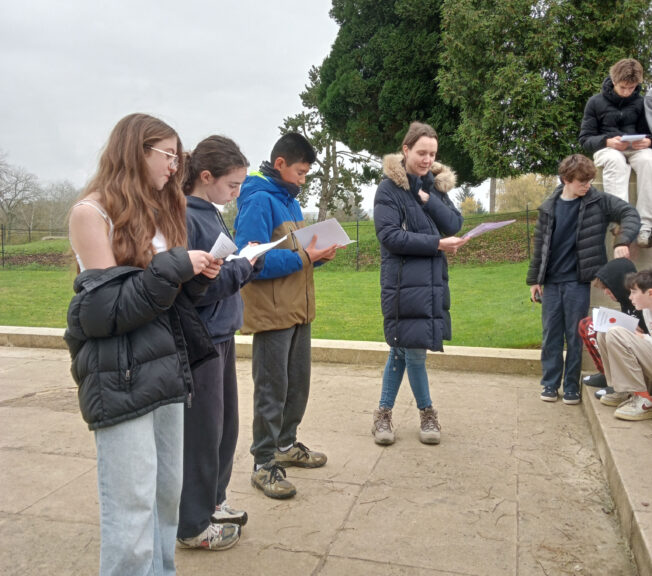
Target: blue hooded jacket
283,293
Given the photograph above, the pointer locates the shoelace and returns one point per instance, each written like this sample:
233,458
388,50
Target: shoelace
384,422
276,474
304,450
215,533
429,421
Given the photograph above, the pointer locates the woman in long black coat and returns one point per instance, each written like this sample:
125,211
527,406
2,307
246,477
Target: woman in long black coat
415,221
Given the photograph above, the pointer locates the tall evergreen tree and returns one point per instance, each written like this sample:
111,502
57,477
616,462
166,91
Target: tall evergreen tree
380,76
521,73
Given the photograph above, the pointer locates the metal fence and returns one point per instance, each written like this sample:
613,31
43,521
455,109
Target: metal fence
24,246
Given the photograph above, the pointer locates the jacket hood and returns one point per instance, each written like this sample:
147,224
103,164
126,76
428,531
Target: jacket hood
259,181
609,93
445,178
200,204
612,275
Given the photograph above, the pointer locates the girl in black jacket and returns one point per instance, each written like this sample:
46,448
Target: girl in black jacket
127,331
214,172
414,220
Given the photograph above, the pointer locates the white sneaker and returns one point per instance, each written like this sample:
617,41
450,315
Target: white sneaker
215,537
224,514
643,238
636,408
614,398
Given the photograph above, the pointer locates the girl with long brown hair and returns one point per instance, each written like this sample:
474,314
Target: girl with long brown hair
134,339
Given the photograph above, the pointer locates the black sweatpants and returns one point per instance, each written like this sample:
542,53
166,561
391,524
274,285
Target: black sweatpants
281,372
210,437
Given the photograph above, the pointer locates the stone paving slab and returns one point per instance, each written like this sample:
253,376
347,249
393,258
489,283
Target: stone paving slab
515,488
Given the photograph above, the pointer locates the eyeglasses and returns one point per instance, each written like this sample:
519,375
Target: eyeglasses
174,159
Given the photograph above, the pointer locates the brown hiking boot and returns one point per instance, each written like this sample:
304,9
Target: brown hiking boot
382,428
430,432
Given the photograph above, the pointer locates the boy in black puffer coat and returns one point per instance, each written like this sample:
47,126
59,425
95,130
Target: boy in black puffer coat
609,119
568,251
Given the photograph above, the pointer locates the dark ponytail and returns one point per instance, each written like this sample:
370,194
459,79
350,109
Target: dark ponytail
217,154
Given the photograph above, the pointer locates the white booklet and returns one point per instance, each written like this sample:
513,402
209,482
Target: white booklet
631,137
224,248
606,318
328,232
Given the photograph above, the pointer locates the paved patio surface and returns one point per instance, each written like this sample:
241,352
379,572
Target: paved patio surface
517,486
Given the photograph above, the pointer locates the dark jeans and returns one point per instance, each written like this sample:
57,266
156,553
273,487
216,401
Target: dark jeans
210,438
564,305
281,373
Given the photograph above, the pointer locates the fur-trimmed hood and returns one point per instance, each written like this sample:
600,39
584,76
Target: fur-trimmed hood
445,178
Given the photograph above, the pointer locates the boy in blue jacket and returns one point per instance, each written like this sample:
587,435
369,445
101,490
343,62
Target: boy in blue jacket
279,307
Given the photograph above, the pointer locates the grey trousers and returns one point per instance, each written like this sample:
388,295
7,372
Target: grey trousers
281,373
627,360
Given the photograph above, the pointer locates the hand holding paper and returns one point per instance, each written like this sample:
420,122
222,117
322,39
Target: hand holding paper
324,254
225,248
328,232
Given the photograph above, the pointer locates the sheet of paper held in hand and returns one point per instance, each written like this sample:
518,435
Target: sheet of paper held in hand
605,318
328,232
224,248
631,137
486,227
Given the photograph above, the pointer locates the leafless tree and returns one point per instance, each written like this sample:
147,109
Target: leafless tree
17,188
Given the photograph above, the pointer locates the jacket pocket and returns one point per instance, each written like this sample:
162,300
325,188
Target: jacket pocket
125,363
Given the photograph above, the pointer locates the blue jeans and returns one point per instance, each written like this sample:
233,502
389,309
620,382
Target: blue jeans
563,306
414,359
139,475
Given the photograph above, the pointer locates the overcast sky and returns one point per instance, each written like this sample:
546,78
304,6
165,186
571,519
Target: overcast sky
70,69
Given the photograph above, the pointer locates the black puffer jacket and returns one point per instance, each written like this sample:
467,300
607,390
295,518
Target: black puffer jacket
134,336
607,115
414,273
597,210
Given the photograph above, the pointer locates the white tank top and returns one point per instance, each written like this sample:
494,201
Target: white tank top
158,242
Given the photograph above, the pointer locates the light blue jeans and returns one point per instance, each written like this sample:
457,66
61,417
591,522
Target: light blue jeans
414,359
139,476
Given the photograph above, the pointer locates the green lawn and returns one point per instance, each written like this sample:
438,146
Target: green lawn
35,297
490,304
